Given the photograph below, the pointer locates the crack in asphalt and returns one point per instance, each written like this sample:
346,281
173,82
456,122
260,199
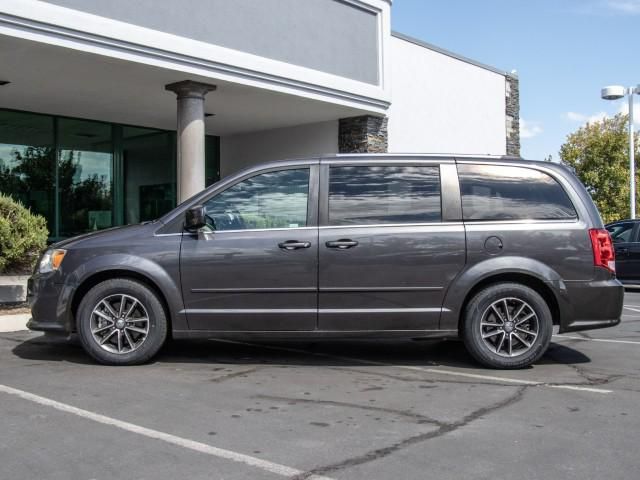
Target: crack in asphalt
403,378
589,378
443,429
422,419
231,375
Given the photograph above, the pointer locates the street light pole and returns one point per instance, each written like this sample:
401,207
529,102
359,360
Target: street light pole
632,153
615,92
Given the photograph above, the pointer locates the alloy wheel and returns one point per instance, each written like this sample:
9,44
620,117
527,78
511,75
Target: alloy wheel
119,323
509,327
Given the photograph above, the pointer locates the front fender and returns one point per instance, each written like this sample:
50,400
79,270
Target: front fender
498,267
156,273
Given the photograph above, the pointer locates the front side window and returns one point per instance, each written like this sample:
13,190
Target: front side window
621,232
496,192
268,200
368,195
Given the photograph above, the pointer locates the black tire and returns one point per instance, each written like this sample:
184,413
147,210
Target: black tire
489,351
149,305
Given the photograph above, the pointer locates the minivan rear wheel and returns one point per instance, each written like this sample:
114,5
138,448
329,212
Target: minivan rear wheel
507,325
121,322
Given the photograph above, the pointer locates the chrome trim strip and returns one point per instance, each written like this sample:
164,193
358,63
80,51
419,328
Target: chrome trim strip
435,225
379,289
313,332
212,311
254,290
202,311
219,232
382,310
488,223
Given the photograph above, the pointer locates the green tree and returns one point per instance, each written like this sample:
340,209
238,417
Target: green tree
598,153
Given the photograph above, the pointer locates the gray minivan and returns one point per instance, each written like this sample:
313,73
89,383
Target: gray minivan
494,250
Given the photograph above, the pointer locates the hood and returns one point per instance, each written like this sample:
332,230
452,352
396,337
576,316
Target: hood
113,233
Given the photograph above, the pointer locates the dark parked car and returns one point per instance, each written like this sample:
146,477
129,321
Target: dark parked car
626,241
494,250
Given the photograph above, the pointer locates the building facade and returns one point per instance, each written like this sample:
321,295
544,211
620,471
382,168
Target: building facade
113,111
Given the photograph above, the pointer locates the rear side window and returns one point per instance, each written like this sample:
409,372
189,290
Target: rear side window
368,195
493,192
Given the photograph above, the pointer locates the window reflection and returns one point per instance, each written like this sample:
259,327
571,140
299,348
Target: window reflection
492,192
379,195
84,176
27,168
149,174
269,200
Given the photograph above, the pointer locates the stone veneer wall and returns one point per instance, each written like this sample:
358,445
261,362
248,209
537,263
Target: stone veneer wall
512,113
364,134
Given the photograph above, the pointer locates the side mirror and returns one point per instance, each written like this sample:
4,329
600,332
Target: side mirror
194,218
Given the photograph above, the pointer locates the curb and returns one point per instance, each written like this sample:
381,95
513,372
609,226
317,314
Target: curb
13,288
14,323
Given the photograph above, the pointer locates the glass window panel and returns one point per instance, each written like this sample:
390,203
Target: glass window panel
495,192
85,164
27,165
269,200
384,195
621,232
149,173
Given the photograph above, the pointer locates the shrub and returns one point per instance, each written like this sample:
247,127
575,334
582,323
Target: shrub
23,236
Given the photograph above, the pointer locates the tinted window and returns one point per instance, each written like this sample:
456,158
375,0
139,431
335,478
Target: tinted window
491,192
621,232
378,195
268,200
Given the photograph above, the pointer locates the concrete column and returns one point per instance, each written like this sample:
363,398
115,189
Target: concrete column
190,135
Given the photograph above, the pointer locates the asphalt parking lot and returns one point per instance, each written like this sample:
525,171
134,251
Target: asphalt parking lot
341,410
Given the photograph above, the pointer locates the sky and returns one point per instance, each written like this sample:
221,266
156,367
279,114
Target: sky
564,52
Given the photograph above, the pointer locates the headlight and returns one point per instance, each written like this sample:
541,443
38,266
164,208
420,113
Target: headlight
51,260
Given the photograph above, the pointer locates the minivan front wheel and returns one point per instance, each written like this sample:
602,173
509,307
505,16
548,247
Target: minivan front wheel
507,325
121,322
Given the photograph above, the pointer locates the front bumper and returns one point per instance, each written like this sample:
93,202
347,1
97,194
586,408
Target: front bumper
48,305
591,305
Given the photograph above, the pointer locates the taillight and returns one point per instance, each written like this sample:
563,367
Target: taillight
603,252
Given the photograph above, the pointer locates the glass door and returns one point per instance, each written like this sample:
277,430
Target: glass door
149,172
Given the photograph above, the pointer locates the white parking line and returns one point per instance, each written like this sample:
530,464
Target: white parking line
630,307
603,340
265,465
437,371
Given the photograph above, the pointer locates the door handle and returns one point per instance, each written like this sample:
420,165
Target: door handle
342,244
622,251
293,245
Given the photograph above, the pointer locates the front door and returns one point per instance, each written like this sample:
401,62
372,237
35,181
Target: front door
386,258
258,269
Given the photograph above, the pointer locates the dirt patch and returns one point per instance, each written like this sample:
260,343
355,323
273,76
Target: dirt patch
14,309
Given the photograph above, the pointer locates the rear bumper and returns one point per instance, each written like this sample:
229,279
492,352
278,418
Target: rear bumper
591,305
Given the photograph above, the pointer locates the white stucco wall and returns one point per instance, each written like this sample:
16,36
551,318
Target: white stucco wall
240,151
441,104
